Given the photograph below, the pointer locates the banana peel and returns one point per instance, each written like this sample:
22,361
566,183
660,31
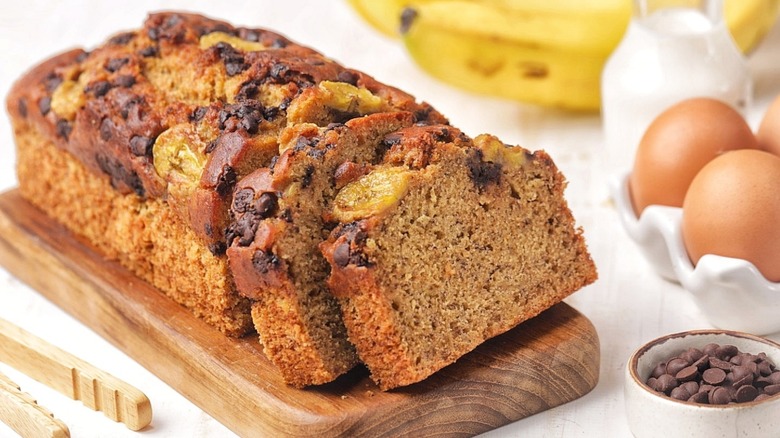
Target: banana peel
545,52
750,20
497,51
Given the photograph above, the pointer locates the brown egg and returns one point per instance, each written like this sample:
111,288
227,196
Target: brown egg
768,133
678,143
732,209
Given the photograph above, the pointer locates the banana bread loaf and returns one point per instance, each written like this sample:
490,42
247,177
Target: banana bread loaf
213,161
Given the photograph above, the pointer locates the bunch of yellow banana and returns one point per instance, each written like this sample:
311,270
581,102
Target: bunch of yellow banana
547,52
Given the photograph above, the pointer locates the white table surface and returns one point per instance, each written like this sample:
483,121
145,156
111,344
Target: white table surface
629,305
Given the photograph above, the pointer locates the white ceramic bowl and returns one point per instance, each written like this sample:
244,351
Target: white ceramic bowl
651,414
732,293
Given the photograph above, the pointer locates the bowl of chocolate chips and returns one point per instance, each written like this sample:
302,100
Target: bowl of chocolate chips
704,383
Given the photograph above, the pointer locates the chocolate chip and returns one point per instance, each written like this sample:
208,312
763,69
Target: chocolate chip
303,143
341,255
709,349
702,363
741,372
659,370
64,128
125,81
218,27
44,105
232,58
307,176
211,146
249,35
242,200
725,352
51,82
422,114
690,386
129,105
746,393
764,368
279,43
148,51
271,112
714,376
700,397
278,72
141,146
82,57
227,179
445,136
772,389
265,262
348,76
119,174
198,114
317,153
266,204
287,215
173,20
235,67
665,383
686,374
482,172
106,129
122,38
719,396
217,248
98,88
720,363
115,64
675,365
680,393
244,229
242,115
168,29
248,90
21,106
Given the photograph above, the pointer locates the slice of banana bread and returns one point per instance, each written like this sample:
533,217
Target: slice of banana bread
448,243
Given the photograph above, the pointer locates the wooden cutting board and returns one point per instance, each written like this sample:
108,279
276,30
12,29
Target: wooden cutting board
545,362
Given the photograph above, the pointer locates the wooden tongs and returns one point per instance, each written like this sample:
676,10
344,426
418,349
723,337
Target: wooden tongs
68,375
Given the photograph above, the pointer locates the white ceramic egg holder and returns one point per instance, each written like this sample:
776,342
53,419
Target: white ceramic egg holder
731,292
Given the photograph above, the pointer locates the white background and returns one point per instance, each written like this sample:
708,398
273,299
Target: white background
629,305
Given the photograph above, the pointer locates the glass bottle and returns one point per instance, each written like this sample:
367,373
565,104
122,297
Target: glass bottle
672,50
